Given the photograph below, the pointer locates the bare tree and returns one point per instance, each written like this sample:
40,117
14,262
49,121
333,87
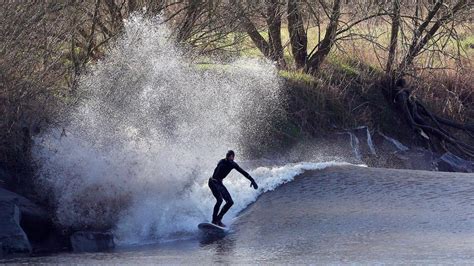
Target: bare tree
273,18
31,76
193,12
271,48
323,48
430,127
395,28
298,36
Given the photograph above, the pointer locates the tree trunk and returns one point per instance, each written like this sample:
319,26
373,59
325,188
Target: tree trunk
430,127
274,32
251,30
418,42
192,14
298,38
115,14
132,6
393,36
327,43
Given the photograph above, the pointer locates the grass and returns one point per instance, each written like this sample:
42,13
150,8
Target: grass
210,66
342,94
467,42
250,50
297,76
364,49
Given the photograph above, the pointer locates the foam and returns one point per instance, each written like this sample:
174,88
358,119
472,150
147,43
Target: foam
148,133
149,218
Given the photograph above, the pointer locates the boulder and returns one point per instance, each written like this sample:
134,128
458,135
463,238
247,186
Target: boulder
388,145
4,176
449,162
364,140
357,142
87,241
416,159
12,237
35,221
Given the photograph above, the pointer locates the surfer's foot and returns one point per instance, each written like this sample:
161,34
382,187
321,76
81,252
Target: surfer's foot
218,223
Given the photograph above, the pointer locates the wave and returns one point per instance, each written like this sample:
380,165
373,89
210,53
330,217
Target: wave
135,155
148,217
148,130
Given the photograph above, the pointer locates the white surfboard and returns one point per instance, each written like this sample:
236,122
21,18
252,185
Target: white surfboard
212,228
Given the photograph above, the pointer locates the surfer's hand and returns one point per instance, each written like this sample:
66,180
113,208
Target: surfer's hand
254,185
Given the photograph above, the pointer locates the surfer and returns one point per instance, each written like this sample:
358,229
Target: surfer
220,191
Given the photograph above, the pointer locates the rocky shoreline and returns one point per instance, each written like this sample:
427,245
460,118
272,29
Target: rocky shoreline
26,228
379,150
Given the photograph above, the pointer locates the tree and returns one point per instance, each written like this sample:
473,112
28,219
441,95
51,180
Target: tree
323,48
272,49
298,37
428,126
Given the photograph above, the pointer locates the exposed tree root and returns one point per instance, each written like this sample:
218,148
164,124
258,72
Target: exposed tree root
432,128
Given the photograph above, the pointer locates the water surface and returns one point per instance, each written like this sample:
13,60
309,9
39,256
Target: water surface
336,215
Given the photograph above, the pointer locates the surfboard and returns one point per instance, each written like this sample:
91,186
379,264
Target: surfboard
212,228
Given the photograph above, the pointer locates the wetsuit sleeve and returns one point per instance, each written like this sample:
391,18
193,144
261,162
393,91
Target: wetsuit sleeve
242,171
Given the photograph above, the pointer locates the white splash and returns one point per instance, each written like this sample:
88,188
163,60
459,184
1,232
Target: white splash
140,147
184,213
149,131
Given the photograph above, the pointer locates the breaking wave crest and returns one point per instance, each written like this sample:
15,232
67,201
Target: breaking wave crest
136,153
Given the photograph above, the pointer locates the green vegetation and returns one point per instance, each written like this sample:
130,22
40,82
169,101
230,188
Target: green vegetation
467,42
297,77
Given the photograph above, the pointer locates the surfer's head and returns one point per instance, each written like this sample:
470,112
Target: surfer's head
230,155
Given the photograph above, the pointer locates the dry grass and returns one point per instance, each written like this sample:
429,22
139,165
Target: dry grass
346,94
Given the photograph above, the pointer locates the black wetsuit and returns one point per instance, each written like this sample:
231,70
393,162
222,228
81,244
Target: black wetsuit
219,190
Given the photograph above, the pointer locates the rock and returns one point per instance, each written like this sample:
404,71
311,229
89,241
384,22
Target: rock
86,241
358,141
4,176
386,144
365,143
416,159
35,221
26,207
449,162
387,149
12,236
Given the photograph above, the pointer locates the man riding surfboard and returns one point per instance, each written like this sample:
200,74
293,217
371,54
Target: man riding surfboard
220,191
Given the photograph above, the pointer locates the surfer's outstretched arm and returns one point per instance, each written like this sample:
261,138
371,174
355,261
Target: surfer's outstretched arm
247,175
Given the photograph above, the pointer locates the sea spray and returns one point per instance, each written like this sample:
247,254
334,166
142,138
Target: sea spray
136,153
141,225
148,132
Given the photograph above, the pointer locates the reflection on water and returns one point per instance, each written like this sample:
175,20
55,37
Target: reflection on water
337,215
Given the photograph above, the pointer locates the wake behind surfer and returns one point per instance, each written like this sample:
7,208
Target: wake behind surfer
220,191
